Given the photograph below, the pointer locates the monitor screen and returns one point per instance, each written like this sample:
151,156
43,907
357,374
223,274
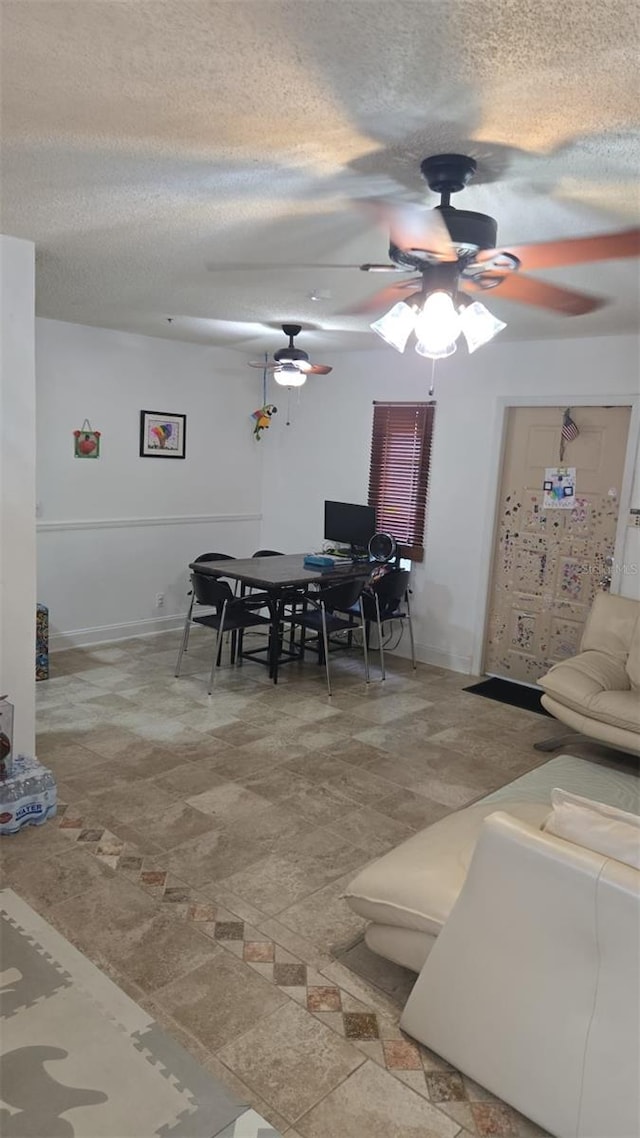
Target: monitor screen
348,523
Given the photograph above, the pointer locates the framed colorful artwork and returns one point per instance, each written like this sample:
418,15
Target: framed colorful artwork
162,434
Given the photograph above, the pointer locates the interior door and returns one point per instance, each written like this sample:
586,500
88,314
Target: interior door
549,562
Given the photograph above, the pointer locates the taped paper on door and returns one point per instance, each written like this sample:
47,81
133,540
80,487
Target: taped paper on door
559,488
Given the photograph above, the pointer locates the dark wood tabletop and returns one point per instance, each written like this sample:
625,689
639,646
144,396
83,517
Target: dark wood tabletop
285,571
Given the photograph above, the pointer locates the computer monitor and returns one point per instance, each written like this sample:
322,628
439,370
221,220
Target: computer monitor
349,524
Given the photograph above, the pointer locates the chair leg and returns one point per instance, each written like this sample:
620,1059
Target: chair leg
410,622
383,674
365,647
218,649
325,641
185,638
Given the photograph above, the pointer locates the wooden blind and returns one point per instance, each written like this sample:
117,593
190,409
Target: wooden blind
399,471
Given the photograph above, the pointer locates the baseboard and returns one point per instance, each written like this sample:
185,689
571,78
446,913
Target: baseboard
438,658
106,633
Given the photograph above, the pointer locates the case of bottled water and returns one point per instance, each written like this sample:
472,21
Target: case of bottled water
28,796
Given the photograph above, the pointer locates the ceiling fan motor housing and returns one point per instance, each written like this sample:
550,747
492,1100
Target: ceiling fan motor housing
290,355
447,174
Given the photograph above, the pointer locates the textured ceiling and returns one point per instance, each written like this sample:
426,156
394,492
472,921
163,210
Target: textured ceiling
149,145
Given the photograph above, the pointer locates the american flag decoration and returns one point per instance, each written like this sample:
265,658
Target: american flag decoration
569,431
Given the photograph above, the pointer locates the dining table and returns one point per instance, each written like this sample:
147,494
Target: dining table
285,579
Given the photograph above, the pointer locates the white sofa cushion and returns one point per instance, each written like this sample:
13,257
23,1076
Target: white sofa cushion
416,885
577,679
610,625
596,826
596,685
617,708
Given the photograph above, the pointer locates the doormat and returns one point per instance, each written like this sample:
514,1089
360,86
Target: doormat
506,691
81,1058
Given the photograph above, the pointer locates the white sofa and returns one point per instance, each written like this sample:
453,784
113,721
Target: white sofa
528,948
597,692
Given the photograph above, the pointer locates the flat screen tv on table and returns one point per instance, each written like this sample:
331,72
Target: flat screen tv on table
349,524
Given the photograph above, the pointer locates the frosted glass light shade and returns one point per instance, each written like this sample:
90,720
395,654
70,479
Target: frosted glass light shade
396,325
437,327
288,375
433,352
479,325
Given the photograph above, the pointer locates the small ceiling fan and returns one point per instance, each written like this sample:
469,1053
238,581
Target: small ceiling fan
291,366
454,253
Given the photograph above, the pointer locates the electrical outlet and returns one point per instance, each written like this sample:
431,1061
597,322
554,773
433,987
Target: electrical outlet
159,600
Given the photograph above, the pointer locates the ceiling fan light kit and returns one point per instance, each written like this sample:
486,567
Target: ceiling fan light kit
288,375
291,365
438,324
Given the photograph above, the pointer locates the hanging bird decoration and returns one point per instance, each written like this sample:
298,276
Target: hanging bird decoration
262,418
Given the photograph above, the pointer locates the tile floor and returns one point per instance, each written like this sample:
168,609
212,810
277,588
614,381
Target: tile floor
202,846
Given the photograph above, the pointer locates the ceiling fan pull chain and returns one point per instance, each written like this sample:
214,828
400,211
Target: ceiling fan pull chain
433,378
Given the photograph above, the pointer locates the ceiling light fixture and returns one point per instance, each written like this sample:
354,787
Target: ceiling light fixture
288,375
437,324
478,324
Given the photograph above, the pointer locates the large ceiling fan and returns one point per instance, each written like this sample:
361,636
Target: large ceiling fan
290,366
455,255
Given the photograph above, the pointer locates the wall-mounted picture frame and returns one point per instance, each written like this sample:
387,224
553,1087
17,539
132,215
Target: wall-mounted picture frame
163,434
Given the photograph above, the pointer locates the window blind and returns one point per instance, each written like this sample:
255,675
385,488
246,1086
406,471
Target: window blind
399,472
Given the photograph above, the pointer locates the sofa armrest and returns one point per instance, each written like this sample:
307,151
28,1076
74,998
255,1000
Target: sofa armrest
534,976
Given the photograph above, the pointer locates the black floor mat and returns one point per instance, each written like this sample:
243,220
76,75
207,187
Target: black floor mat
506,691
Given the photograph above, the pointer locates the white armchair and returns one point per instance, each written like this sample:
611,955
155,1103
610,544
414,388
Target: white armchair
597,692
533,985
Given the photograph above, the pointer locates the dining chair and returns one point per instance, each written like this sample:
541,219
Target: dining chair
232,614
291,598
387,598
333,608
202,557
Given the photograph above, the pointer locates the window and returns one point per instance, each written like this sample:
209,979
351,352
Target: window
399,472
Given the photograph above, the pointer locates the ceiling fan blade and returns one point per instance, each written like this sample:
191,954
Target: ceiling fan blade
572,251
411,227
261,364
319,369
385,297
526,290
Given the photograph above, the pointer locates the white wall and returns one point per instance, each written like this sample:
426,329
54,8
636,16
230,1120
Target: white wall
114,531
325,454
17,487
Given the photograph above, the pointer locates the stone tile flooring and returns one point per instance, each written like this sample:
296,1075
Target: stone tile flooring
202,845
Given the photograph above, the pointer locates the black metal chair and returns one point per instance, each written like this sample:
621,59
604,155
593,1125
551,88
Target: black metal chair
232,614
387,598
334,608
203,557
291,598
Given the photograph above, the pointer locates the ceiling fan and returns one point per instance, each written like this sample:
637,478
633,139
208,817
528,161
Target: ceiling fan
291,366
454,253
